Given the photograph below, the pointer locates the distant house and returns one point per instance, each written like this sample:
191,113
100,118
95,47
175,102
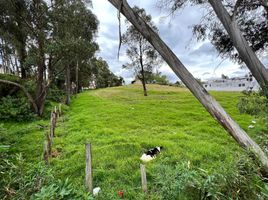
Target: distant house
92,84
136,81
247,82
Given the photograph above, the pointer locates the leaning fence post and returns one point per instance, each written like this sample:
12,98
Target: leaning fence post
143,178
89,182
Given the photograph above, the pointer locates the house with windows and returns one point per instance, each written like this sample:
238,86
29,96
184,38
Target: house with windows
247,82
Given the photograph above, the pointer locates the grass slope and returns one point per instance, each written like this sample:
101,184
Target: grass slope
121,123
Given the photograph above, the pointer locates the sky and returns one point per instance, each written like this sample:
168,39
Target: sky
200,58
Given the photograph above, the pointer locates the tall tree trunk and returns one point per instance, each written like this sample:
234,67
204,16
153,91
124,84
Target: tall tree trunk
142,70
22,60
41,88
17,66
4,56
76,77
143,80
68,85
211,105
22,49
246,53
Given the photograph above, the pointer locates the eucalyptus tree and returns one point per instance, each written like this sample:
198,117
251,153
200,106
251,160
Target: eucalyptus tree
58,33
24,26
102,75
144,58
14,17
74,26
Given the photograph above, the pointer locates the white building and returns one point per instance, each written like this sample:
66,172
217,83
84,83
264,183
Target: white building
247,82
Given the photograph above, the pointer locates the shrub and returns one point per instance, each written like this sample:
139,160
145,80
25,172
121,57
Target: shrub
238,181
60,190
17,182
15,109
253,103
55,94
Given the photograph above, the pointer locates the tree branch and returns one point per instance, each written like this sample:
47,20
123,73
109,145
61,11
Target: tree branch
237,4
30,98
264,3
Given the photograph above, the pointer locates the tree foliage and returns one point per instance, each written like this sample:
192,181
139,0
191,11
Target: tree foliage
251,17
144,58
50,42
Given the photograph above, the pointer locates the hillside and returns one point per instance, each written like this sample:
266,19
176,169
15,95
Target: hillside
121,124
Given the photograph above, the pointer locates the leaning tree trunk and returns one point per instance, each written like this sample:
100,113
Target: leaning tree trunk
246,53
211,105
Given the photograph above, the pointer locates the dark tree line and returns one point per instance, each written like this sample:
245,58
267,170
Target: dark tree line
52,43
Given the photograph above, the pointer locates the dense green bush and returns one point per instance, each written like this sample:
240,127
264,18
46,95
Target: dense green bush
240,182
15,109
55,94
253,103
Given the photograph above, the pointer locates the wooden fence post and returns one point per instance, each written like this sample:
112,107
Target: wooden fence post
60,109
46,152
143,178
56,113
89,176
49,144
52,123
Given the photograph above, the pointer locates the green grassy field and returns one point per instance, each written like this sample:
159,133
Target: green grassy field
121,124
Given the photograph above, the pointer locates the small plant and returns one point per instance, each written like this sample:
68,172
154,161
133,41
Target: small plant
61,190
36,181
253,103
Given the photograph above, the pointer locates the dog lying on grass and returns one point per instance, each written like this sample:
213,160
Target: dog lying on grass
151,154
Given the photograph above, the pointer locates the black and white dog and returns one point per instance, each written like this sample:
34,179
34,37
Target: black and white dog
151,154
